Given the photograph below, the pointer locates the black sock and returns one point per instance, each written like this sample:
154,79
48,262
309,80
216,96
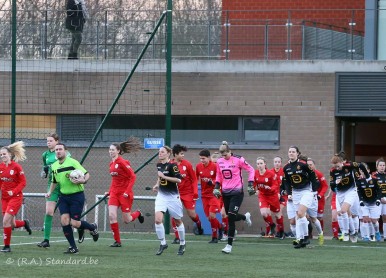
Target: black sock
240,217
67,230
86,225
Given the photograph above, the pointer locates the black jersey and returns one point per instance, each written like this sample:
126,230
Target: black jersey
169,169
381,181
298,175
368,191
346,176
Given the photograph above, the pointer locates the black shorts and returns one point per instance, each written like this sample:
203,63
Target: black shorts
72,204
232,202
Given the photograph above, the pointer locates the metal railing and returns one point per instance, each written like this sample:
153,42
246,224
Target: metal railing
252,35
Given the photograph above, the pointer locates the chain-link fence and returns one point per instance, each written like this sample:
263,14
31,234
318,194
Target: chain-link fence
202,34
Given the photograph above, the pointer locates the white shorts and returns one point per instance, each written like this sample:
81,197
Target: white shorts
371,210
351,197
172,203
303,197
291,212
312,210
383,209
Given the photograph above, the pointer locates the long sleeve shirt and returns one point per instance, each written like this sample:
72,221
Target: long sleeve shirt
298,175
12,178
229,174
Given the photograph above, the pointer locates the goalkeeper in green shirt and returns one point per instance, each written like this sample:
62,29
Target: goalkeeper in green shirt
72,198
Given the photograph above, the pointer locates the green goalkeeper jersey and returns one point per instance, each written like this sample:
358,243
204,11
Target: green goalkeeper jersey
61,175
49,157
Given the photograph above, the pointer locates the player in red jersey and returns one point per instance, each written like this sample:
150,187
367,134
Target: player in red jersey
334,215
121,188
12,182
188,189
278,170
267,190
206,174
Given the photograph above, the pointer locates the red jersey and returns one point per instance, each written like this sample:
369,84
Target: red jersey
122,176
266,183
279,175
323,183
188,184
206,175
12,178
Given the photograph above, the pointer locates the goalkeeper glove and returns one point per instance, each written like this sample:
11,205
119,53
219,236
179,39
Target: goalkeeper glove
251,189
44,173
217,193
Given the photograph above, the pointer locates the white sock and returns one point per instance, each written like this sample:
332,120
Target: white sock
343,223
340,222
305,225
356,223
318,226
365,230
371,230
299,230
351,225
160,230
375,227
293,229
302,227
384,230
181,233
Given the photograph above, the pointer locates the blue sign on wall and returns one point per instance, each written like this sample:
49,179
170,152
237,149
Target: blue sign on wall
153,143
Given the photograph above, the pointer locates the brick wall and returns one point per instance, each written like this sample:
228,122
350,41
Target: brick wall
304,102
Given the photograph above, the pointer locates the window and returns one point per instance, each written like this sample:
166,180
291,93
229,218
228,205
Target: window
199,131
261,129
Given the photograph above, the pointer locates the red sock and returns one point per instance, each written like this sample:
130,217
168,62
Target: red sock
135,215
268,222
197,221
321,223
19,223
174,226
7,235
219,225
335,228
225,224
280,224
115,230
214,224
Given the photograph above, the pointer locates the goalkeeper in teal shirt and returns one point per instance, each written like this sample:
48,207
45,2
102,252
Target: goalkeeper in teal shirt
72,198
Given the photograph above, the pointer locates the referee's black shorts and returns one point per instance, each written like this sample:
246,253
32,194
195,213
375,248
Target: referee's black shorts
72,204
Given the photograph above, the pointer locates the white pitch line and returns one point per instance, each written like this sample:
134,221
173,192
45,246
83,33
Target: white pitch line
33,243
205,242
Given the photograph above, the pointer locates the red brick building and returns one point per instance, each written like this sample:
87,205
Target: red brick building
268,29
